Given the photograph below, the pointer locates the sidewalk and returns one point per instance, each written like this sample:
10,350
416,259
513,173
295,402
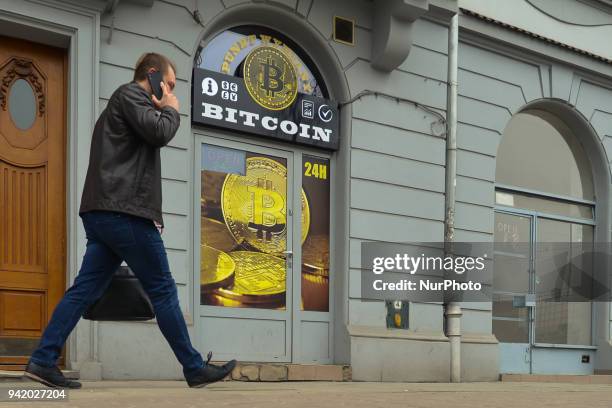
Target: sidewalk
175,394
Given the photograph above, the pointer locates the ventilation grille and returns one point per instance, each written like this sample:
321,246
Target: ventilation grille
344,30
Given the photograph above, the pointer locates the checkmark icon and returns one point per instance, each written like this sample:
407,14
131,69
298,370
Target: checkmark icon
325,113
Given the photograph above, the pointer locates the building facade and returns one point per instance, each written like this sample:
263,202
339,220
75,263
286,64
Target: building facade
269,192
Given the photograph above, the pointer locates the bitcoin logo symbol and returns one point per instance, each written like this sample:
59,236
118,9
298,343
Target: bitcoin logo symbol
268,206
270,78
272,81
255,206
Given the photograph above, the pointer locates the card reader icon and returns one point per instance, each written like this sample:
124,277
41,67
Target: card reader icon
307,109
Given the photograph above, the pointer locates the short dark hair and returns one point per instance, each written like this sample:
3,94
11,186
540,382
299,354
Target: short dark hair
150,60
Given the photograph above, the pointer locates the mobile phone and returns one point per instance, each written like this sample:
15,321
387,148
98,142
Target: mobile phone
154,79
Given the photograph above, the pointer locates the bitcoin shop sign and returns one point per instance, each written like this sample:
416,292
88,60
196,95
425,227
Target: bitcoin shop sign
265,102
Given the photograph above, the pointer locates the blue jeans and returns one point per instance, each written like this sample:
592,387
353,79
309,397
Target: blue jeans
111,238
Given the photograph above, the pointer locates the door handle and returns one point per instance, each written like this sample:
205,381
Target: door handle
289,259
527,354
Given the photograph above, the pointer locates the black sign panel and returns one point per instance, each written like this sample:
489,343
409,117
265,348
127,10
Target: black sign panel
223,101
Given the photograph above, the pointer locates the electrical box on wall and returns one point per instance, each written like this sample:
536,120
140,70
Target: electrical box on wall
397,314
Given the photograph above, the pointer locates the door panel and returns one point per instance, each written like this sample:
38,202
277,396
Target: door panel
32,193
561,322
511,284
245,254
23,218
514,358
562,361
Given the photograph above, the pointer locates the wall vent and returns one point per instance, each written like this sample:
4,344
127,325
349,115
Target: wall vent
344,30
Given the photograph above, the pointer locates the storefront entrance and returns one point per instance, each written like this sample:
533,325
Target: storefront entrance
32,194
545,239
264,236
538,335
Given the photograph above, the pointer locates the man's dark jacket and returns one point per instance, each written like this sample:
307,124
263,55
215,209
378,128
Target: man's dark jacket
124,173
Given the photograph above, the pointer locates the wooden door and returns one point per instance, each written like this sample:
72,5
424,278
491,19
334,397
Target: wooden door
32,193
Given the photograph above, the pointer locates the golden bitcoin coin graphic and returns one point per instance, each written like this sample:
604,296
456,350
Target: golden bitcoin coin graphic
270,78
216,269
314,270
315,291
254,206
259,278
215,234
315,255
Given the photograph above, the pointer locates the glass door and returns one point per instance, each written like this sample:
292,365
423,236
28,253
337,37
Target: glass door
535,268
245,250
512,288
562,330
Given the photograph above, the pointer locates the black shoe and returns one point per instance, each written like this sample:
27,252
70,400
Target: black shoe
49,376
210,373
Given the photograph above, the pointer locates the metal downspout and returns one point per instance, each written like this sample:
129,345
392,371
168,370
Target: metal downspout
111,6
453,309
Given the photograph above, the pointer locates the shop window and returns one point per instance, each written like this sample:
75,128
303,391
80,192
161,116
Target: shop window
315,247
244,230
539,152
544,195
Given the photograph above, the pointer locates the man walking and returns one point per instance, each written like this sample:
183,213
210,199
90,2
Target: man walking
120,207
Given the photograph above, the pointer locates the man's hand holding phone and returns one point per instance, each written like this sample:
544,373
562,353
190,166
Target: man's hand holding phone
168,98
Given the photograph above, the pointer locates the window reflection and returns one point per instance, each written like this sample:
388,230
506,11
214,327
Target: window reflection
562,322
543,205
539,152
